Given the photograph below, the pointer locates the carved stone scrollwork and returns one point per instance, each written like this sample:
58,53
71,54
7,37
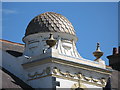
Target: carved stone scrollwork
37,74
62,73
79,75
58,71
103,81
94,80
87,78
31,76
48,70
67,74
55,70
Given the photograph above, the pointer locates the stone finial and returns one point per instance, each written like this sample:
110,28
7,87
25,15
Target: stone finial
98,53
98,47
51,41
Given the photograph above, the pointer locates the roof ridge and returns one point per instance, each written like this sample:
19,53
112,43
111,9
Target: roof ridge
2,40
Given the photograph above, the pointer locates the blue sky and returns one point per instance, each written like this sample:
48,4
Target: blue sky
93,22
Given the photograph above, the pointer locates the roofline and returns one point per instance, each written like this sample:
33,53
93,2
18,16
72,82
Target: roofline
1,40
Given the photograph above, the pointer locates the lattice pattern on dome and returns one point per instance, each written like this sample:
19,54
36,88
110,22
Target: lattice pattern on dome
50,22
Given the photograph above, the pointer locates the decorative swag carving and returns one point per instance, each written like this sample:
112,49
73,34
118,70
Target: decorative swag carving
67,74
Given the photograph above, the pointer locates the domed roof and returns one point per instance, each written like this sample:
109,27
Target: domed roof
49,22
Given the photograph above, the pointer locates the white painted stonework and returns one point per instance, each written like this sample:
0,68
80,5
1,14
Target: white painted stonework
61,61
63,58
60,66
64,49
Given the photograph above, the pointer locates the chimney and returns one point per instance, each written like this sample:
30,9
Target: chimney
119,50
114,51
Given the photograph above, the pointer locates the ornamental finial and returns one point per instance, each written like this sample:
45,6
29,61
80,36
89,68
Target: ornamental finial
98,45
51,41
98,53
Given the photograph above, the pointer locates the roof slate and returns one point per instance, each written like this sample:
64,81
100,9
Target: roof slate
11,81
15,49
8,45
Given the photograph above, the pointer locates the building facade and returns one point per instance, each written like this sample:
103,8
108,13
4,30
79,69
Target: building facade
50,58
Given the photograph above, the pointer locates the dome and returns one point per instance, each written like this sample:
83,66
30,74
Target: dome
50,22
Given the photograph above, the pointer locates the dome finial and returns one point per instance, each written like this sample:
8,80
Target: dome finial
98,53
98,46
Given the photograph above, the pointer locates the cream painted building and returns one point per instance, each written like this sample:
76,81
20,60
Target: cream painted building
51,60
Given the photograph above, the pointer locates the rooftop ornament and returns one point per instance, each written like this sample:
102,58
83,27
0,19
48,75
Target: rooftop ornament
98,53
51,41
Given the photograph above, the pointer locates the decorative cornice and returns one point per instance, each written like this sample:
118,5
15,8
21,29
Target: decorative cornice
82,66
67,63
67,75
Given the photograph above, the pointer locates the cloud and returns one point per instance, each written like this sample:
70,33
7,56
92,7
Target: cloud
8,11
